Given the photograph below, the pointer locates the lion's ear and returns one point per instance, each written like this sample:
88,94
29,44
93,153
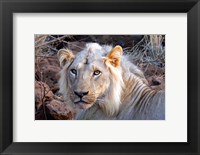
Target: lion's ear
65,56
114,56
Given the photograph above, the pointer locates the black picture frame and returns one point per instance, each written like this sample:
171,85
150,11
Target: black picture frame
8,7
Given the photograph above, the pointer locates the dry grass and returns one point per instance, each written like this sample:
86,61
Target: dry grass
149,50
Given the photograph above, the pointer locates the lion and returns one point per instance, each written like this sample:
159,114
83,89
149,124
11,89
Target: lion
105,85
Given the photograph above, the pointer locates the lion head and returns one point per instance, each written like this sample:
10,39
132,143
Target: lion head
92,76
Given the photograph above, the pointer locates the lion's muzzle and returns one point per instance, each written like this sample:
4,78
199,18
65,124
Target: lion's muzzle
80,102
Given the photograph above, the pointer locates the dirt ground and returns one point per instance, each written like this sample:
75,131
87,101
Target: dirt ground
147,51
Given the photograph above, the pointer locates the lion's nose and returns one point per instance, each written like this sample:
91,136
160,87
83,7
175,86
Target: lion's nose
81,94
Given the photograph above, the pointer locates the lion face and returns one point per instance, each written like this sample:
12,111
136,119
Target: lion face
87,81
86,78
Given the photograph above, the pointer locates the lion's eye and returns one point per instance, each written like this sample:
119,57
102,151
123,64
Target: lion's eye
97,72
73,71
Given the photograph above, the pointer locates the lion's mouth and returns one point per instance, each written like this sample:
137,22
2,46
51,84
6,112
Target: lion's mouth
82,104
81,101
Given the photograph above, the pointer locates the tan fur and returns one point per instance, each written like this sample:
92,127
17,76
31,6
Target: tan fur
120,91
114,56
65,55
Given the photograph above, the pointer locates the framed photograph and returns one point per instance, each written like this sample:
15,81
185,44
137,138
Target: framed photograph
102,77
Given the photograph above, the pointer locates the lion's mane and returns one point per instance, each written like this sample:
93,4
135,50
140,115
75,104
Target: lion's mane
128,95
